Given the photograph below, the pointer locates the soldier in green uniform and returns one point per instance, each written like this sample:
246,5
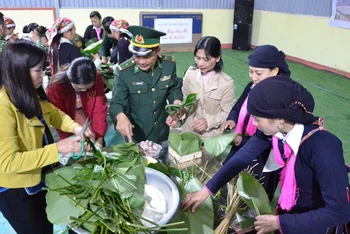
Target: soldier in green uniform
3,30
142,87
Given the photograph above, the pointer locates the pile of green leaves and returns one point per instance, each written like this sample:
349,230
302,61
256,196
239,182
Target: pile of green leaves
103,194
185,143
188,105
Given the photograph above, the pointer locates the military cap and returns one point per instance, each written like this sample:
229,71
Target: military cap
144,40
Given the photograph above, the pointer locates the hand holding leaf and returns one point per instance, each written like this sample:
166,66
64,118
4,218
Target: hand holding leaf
176,108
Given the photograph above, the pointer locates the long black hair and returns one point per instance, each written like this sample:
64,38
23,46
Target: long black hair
30,27
81,71
41,31
212,48
95,14
16,60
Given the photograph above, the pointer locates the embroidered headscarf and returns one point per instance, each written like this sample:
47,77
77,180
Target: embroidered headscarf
121,26
60,26
9,22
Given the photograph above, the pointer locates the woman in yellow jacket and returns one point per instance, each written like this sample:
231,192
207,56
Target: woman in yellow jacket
26,143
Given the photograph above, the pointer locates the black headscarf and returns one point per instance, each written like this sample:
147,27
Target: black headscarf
268,56
281,98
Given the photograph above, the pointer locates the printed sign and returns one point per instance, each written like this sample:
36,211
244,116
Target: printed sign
177,30
340,14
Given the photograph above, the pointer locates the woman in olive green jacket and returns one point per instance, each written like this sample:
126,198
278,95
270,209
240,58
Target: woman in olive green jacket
26,143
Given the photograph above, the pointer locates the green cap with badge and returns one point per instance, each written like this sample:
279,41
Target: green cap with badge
144,40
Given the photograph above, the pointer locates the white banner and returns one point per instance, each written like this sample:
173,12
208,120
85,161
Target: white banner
177,30
340,14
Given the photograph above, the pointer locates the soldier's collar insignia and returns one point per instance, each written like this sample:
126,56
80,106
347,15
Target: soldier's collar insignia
139,39
165,78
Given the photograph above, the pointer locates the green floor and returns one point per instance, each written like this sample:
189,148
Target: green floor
331,92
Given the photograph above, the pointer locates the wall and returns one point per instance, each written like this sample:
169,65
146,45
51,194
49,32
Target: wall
25,16
305,37
214,21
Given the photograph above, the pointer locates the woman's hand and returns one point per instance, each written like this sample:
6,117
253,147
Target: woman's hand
195,199
34,36
200,125
13,37
69,145
172,120
95,56
265,223
237,141
124,126
104,60
230,124
88,133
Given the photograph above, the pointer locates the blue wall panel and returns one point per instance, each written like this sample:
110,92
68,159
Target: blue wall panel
303,7
27,3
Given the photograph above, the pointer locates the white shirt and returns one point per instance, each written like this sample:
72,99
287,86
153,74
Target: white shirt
293,138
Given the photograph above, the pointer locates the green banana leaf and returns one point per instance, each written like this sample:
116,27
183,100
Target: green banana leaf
186,143
253,194
91,41
244,219
207,230
190,100
226,152
204,215
192,137
93,48
107,75
172,109
59,207
216,145
73,189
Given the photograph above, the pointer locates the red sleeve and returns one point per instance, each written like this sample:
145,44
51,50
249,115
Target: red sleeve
99,110
57,95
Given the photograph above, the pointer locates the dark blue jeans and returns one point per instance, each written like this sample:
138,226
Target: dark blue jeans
26,213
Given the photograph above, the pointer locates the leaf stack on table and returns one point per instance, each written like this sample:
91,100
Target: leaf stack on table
103,194
106,194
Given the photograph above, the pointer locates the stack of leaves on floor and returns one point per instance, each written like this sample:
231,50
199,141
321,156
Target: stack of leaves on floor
103,194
